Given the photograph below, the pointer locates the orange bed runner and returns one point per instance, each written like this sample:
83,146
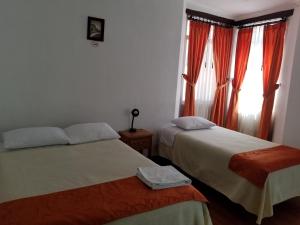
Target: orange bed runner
256,165
93,205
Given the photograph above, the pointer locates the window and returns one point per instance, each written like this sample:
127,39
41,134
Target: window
251,94
206,84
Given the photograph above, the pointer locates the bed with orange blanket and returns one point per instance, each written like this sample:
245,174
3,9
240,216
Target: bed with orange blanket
91,183
238,165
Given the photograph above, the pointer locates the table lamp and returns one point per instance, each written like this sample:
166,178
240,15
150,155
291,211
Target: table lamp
134,113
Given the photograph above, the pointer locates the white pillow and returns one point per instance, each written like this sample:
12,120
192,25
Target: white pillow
193,123
88,132
34,137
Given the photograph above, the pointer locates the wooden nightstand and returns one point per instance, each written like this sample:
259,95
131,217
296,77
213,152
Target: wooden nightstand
139,140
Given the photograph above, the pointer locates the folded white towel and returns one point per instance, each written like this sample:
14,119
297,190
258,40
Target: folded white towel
162,177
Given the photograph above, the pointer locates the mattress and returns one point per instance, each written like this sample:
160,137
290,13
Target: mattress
205,154
39,171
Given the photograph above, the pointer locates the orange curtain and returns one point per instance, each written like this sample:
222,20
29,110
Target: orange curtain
272,58
197,41
222,42
241,61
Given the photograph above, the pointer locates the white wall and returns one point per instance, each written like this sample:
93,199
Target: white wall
51,75
182,53
291,129
287,73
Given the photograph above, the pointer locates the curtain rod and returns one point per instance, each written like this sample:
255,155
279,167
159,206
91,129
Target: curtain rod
204,20
197,15
251,22
277,15
262,23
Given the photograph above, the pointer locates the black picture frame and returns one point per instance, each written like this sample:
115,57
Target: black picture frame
95,29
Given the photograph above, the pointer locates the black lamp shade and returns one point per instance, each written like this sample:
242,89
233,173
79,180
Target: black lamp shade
134,113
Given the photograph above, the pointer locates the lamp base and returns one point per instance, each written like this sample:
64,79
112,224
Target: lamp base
132,130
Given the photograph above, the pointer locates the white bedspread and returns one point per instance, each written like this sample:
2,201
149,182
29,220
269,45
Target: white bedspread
167,134
205,155
38,171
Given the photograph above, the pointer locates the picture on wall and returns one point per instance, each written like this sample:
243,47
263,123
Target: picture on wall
95,29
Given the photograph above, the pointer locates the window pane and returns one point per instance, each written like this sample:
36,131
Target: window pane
251,95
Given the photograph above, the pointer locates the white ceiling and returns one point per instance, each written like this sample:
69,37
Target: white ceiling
241,9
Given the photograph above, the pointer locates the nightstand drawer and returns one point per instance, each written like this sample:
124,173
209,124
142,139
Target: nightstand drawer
140,144
139,140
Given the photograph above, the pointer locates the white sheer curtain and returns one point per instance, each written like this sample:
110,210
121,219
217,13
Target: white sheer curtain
251,95
206,85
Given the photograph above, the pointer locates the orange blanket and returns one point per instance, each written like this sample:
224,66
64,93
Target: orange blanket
256,165
93,205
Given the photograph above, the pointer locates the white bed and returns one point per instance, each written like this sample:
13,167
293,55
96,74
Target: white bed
39,171
205,154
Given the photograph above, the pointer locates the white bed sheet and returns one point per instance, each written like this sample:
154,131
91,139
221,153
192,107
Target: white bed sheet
205,155
167,134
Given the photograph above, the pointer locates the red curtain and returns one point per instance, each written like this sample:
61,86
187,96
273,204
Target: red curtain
272,58
197,41
222,42
241,61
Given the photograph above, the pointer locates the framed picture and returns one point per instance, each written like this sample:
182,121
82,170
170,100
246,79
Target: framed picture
95,29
